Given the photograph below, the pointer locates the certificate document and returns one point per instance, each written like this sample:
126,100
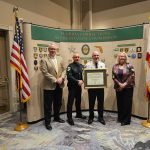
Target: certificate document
95,78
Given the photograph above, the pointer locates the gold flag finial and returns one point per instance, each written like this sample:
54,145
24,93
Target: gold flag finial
15,10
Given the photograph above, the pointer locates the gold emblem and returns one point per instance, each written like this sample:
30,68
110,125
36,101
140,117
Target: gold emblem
85,49
40,49
35,55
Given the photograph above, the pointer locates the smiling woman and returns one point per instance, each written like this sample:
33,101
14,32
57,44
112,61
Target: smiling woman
123,76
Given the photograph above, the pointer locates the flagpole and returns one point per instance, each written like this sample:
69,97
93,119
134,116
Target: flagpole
146,123
148,110
20,126
20,102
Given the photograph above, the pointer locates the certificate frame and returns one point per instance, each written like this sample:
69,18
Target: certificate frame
94,81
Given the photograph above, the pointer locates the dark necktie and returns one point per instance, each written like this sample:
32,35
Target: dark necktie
96,65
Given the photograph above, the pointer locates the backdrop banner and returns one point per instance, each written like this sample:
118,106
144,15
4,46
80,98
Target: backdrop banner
108,42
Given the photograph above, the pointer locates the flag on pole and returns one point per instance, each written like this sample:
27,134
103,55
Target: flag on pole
148,65
18,62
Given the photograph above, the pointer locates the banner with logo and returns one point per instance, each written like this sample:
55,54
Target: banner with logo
108,43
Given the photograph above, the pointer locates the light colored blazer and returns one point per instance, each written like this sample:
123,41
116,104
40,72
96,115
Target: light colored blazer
50,74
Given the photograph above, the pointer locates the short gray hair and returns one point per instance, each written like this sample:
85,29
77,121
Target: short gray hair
52,45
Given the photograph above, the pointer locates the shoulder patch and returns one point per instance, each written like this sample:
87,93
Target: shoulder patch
68,68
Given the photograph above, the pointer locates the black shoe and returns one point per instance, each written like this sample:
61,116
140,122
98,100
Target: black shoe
118,121
70,121
48,127
102,121
80,116
90,121
125,123
59,120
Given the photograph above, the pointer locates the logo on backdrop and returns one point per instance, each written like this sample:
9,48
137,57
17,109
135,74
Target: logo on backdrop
72,49
99,48
85,49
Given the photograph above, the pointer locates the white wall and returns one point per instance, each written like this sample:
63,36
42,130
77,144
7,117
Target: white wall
123,16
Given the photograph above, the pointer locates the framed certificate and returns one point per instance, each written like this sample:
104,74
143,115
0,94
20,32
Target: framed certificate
95,78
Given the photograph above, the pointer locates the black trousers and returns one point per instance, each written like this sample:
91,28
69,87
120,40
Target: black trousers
74,93
52,97
93,94
124,104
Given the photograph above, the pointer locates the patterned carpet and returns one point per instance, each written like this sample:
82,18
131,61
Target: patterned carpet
81,136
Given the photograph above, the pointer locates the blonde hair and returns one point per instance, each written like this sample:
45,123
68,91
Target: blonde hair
118,57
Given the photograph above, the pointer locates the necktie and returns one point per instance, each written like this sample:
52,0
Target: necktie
96,65
55,64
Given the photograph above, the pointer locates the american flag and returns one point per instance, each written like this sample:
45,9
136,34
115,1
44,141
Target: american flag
18,62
